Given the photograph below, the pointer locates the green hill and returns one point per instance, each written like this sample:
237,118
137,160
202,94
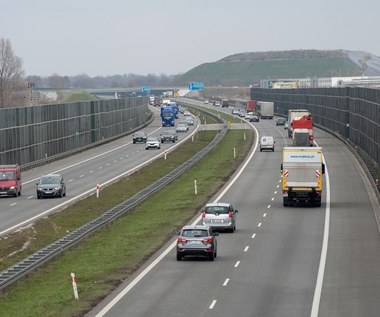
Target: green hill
246,68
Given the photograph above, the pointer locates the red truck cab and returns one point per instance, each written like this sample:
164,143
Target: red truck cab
10,180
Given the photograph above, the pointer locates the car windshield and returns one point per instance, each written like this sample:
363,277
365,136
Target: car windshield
216,210
50,180
151,138
195,233
4,176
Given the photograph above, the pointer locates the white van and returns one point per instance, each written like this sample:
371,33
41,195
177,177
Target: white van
267,143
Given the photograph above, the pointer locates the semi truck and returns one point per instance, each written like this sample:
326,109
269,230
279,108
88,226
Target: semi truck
251,105
224,103
301,170
295,114
302,123
265,109
167,116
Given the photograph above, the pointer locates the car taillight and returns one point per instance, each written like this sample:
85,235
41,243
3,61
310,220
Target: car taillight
207,240
203,214
181,240
230,214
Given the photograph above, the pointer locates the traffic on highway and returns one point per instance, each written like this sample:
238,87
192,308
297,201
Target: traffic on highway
291,233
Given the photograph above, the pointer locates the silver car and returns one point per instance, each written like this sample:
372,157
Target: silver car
219,216
152,142
197,241
182,127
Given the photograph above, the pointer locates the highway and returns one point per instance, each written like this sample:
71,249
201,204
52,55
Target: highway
271,265
82,172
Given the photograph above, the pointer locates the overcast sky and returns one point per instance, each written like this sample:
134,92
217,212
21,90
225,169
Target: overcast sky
98,37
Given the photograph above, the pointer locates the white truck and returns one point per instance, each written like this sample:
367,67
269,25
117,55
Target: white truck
265,109
301,137
301,170
294,114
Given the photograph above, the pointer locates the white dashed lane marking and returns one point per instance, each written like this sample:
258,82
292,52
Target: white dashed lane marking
213,304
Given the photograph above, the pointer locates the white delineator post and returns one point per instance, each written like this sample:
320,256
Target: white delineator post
195,187
165,155
234,152
74,282
97,190
244,137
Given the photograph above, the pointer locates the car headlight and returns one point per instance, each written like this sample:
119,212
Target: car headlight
57,188
12,187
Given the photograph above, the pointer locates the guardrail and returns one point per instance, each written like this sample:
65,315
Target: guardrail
12,274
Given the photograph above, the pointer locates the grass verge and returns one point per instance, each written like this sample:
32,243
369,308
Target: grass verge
110,255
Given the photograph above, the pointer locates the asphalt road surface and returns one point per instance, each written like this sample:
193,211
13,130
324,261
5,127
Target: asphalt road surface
271,265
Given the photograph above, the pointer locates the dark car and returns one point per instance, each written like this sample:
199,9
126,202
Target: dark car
169,135
139,137
281,121
254,118
51,185
197,241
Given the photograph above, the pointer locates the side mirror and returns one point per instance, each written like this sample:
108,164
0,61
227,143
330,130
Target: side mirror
236,210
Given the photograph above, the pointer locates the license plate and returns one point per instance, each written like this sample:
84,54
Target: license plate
217,221
193,242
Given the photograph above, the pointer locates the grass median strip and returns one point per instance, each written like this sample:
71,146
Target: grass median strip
111,254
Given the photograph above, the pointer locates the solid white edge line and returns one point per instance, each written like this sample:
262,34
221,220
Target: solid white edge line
165,252
322,262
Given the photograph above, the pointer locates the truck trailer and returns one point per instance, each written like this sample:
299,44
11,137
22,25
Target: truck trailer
301,170
265,109
251,105
301,137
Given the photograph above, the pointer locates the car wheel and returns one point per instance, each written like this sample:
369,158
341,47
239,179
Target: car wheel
211,256
179,257
261,149
215,253
38,196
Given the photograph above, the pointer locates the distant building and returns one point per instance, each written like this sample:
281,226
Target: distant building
321,82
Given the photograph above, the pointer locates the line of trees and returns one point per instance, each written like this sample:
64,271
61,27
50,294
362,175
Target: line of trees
16,90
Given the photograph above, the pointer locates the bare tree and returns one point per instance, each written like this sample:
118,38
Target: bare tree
11,72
